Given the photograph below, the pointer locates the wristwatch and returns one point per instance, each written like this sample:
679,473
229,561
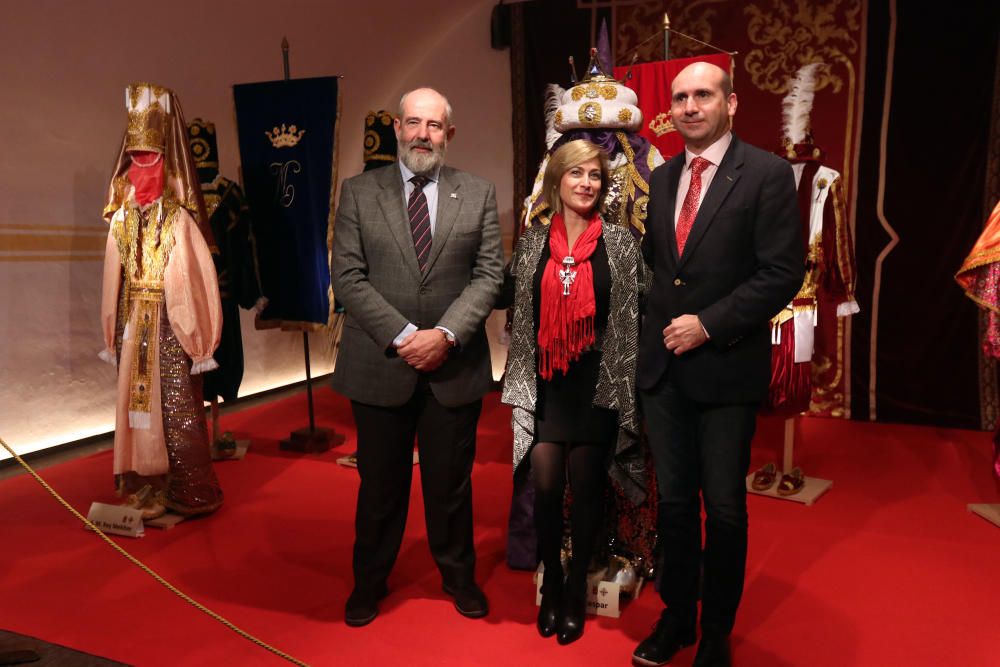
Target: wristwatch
448,336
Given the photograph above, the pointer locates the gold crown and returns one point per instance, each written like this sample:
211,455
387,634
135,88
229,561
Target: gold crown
286,137
148,107
662,124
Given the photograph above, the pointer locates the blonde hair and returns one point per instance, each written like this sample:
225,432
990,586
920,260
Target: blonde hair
565,158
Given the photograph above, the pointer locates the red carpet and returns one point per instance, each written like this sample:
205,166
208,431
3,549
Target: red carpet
888,568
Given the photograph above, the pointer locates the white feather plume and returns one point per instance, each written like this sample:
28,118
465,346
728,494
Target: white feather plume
553,99
797,105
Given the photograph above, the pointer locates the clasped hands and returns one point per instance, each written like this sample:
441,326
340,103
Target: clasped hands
424,349
684,333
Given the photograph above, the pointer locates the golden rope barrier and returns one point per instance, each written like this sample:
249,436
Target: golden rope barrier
145,568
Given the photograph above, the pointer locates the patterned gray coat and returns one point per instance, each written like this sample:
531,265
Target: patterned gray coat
619,350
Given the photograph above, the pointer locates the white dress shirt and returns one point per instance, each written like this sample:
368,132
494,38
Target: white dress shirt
714,155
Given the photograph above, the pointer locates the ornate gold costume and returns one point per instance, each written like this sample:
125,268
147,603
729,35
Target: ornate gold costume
160,312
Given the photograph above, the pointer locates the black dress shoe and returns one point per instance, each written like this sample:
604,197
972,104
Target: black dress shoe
470,601
573,615
713,651
658,648
548,612
362,606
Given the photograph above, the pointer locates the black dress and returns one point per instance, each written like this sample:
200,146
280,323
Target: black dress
564,411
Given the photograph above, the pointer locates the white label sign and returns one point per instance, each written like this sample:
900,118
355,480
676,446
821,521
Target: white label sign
116,519
603,597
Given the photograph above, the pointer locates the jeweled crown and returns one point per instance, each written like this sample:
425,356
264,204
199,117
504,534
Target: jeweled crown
598,101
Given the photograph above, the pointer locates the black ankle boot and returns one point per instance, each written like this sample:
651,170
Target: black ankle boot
548,611
573,612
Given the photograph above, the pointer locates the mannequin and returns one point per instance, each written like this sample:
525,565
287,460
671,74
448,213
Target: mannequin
236,268
829,273
160,314
979,277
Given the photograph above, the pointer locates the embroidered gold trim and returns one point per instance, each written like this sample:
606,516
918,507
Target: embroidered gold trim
590,113
593,91
147,311
153,234
157,239
212,201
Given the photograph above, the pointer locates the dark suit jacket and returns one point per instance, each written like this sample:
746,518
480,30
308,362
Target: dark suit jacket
376,278
742,263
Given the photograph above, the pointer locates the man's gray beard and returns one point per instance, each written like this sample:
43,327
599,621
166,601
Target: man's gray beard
422,163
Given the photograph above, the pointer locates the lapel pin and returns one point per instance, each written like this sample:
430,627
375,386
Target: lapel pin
729,178
453,195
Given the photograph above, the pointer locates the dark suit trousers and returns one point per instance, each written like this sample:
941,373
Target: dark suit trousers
699,447
446,440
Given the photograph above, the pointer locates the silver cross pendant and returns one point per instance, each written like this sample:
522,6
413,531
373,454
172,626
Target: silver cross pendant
566,274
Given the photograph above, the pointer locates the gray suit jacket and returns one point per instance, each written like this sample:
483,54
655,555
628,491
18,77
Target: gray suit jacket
376,278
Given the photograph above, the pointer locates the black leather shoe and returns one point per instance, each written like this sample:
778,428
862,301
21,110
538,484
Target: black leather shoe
362,606
658,648
470,601
573,615
548,612
713,651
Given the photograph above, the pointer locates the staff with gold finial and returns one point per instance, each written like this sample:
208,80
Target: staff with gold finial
666,36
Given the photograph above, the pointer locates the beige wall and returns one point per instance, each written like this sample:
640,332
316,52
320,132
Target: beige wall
63,69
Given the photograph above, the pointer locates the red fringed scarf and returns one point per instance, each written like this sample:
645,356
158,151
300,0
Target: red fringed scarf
566,323
146,174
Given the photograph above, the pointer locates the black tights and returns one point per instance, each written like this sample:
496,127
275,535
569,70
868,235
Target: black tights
587,464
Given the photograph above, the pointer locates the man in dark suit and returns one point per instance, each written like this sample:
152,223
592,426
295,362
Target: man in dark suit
417,264
723,238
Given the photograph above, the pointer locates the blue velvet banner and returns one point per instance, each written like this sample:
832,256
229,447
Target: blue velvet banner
287,137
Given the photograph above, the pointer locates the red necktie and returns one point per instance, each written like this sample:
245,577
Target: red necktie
689,209
420,220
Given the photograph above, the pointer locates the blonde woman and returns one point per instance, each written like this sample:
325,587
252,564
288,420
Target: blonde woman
575,287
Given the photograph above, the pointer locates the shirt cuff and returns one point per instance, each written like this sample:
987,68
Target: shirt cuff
407,330
704,330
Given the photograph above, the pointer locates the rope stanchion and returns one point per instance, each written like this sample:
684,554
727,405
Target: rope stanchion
145,568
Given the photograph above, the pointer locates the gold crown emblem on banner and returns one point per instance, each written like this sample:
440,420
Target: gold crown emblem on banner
661,124
285,137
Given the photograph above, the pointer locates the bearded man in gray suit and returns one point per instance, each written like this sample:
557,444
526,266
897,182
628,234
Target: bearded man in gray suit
417,264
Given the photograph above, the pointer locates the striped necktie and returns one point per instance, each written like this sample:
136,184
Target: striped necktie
420,221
